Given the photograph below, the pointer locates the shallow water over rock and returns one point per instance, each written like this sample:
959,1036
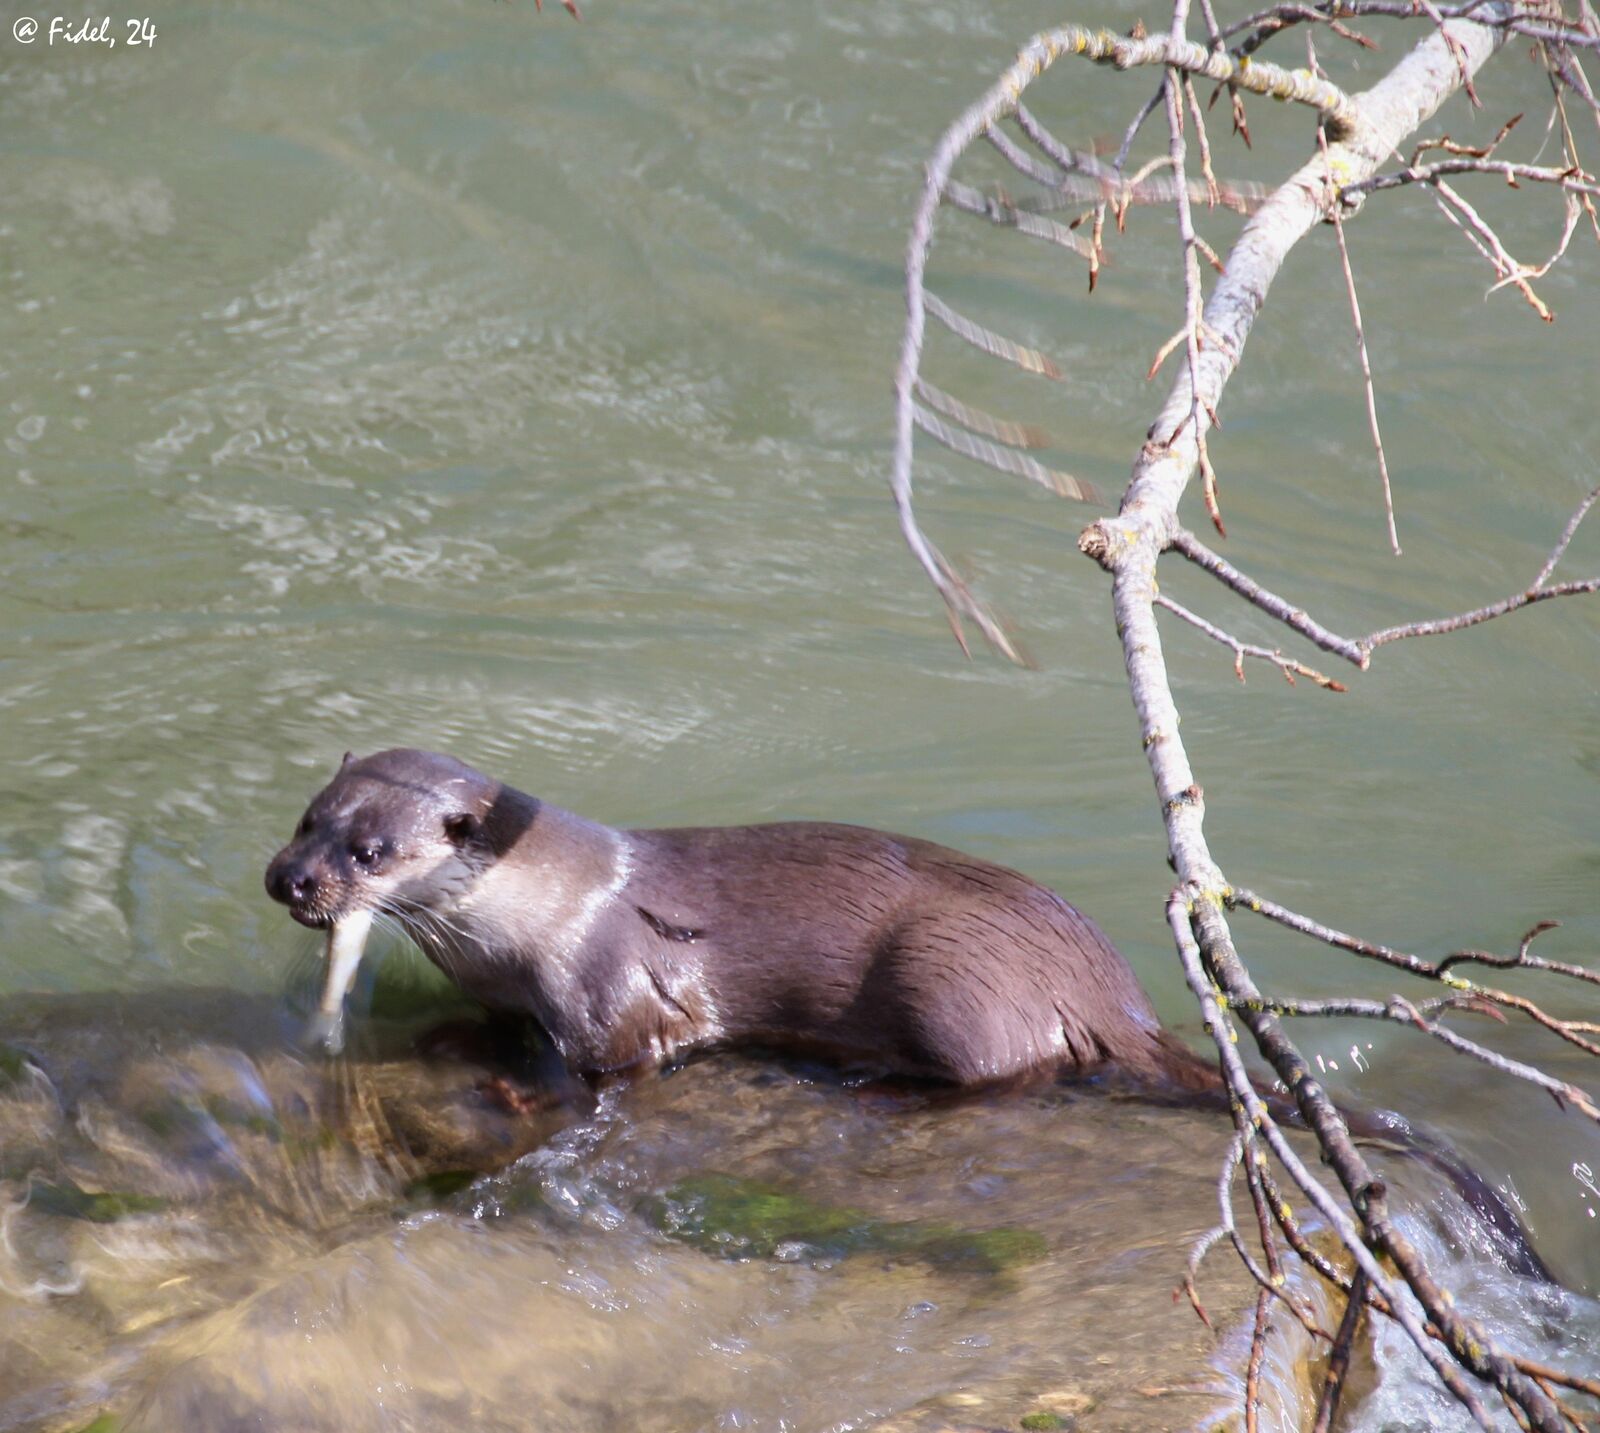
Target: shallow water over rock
205,1229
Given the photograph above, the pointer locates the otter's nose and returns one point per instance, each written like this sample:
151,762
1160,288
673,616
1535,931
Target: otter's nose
290,884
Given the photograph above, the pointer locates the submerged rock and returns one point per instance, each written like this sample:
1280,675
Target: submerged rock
744,1218
209,1229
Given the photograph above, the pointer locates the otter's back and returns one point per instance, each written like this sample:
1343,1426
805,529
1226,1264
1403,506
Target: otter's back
895,948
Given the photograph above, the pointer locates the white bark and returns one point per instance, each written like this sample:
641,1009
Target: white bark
1129,544
1361,132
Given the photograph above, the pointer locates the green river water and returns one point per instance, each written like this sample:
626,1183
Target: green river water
442,374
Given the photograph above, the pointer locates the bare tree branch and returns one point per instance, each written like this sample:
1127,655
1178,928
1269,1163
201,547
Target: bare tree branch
1007,460
1529,23
1241,898
1287,665
1399,1010
1084,177
1359,651
996,345
1361,133
1250,1110
1001,211
1339,1357
1185,542
1337,215
1575,181
1513,603
1002,430
1035,57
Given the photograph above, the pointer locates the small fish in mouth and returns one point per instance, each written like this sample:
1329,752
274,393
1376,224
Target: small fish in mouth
347,941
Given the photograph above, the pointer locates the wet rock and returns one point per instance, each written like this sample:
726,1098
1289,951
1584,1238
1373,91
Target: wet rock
740,1218
423,1234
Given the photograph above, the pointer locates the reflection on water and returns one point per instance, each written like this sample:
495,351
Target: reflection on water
424,373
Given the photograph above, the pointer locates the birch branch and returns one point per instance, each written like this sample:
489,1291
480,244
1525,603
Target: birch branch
1037,56
1358,651
1360,133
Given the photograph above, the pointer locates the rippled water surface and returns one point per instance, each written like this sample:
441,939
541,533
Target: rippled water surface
442,374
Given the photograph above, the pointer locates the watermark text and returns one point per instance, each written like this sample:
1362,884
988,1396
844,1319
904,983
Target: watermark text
84,30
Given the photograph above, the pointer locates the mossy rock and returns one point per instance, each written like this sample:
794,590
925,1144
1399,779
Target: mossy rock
66,1199
746,1219
436,1188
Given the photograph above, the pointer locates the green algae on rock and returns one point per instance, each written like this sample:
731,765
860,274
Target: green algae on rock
747,1219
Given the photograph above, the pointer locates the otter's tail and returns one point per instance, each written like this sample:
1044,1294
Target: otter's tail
1385,1129
1180,1072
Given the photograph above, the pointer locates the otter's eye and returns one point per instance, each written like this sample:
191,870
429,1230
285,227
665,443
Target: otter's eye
366,854
304,827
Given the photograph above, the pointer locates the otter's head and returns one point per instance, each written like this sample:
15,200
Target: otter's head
402,831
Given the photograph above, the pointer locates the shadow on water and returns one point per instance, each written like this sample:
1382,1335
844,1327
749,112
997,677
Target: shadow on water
205,1229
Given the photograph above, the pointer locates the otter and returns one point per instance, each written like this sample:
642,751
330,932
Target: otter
633,947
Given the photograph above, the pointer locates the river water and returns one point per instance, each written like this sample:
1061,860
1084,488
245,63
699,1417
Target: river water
443,374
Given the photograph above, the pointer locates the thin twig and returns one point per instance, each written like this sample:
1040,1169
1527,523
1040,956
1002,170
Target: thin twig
1197,1253
1569,143
1288,15
1563,1092
1070,165
1083,177
1308,1253
1334,211
1193,304
1400,1011
1067,159
1575,1381
1186,543
1007,460
1287,665
1429,9
1574,181
996,345
1242,898
1002,430
1508,268
1479,614
1480,12
1359,652
1269,1280
1252,1376
1566,538
1137,123
1213,191
1333,1378
1522,960
1469,994
998,210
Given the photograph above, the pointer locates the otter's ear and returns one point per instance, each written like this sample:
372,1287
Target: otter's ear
460,827
349,756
